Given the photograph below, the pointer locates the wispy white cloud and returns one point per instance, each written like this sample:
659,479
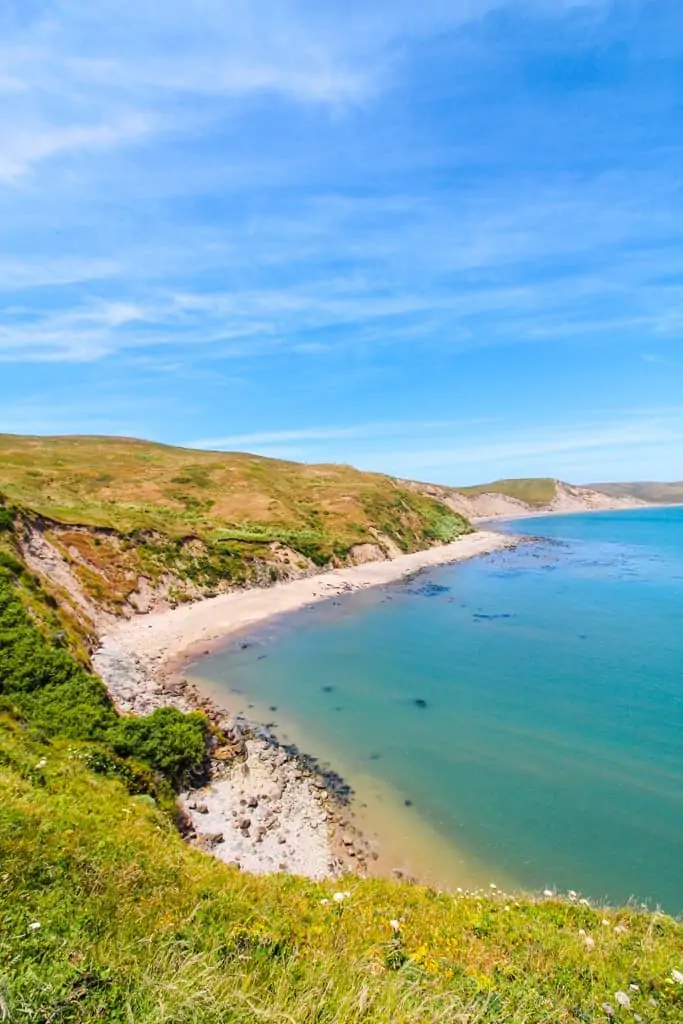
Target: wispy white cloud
364,431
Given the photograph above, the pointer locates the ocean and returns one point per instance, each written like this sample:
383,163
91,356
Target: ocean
515,719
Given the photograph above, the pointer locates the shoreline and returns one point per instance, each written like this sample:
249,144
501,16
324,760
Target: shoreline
267,806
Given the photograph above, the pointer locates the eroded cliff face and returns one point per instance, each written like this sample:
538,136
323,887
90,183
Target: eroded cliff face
103,575
495,505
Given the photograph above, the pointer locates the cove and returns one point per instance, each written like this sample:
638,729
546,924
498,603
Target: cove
518,717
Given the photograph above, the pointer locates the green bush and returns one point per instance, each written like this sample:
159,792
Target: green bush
171,742
47,687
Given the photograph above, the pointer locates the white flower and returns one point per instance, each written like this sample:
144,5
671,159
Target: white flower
622,999
42,762
605,922
324,902
548,892
34,926
589,942
572,894
492,885
395,925
677,976
634,988
339,897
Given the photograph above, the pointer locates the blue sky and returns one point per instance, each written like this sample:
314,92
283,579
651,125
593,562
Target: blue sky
444,240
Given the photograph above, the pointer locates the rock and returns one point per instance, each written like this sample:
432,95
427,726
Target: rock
244,824
201,809
281,840
211,839
252,801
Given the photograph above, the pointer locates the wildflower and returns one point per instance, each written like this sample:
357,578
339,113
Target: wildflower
609,1009
548,892
620,929
634,987
41,763
34,926
605,922
677,976
395,925
589,942
339,897
324,902
622,999
492,885
637,1018
572,894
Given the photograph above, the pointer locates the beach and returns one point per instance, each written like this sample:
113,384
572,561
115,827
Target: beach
267,808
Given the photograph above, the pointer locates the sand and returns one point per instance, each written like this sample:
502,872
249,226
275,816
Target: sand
161,636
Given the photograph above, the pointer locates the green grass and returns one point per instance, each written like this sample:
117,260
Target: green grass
136,926
533,491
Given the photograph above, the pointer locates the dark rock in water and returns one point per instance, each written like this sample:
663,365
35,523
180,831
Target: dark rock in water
244,647
429,590
339,708
261,657
420,703
481,617
327,689
408,803
375,757
273,707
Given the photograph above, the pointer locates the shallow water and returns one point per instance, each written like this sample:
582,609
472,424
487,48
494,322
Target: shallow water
517,717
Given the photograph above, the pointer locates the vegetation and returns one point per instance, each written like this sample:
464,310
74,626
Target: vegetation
42,684
117,509
533,490
657,493
107,915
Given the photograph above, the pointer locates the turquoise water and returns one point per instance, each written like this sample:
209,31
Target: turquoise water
528,706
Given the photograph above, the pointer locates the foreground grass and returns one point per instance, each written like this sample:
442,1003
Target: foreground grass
107,915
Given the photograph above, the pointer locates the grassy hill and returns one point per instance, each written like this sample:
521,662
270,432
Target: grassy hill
535,491
656,493
118,509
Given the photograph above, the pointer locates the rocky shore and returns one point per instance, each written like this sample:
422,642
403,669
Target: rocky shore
262,806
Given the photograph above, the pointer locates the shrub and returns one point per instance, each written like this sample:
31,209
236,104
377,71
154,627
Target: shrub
47,687
171,742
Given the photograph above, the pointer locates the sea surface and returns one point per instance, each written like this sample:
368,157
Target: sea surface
517,718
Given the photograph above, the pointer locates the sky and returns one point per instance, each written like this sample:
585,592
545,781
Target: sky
441,240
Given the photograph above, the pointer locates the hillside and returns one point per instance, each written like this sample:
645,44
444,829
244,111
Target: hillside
522,497
653,493
127,523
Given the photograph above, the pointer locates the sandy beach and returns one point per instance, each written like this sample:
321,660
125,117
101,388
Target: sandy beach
165,635
265,809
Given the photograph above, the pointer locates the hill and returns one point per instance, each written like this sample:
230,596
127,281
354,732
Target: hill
129,522
652,493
